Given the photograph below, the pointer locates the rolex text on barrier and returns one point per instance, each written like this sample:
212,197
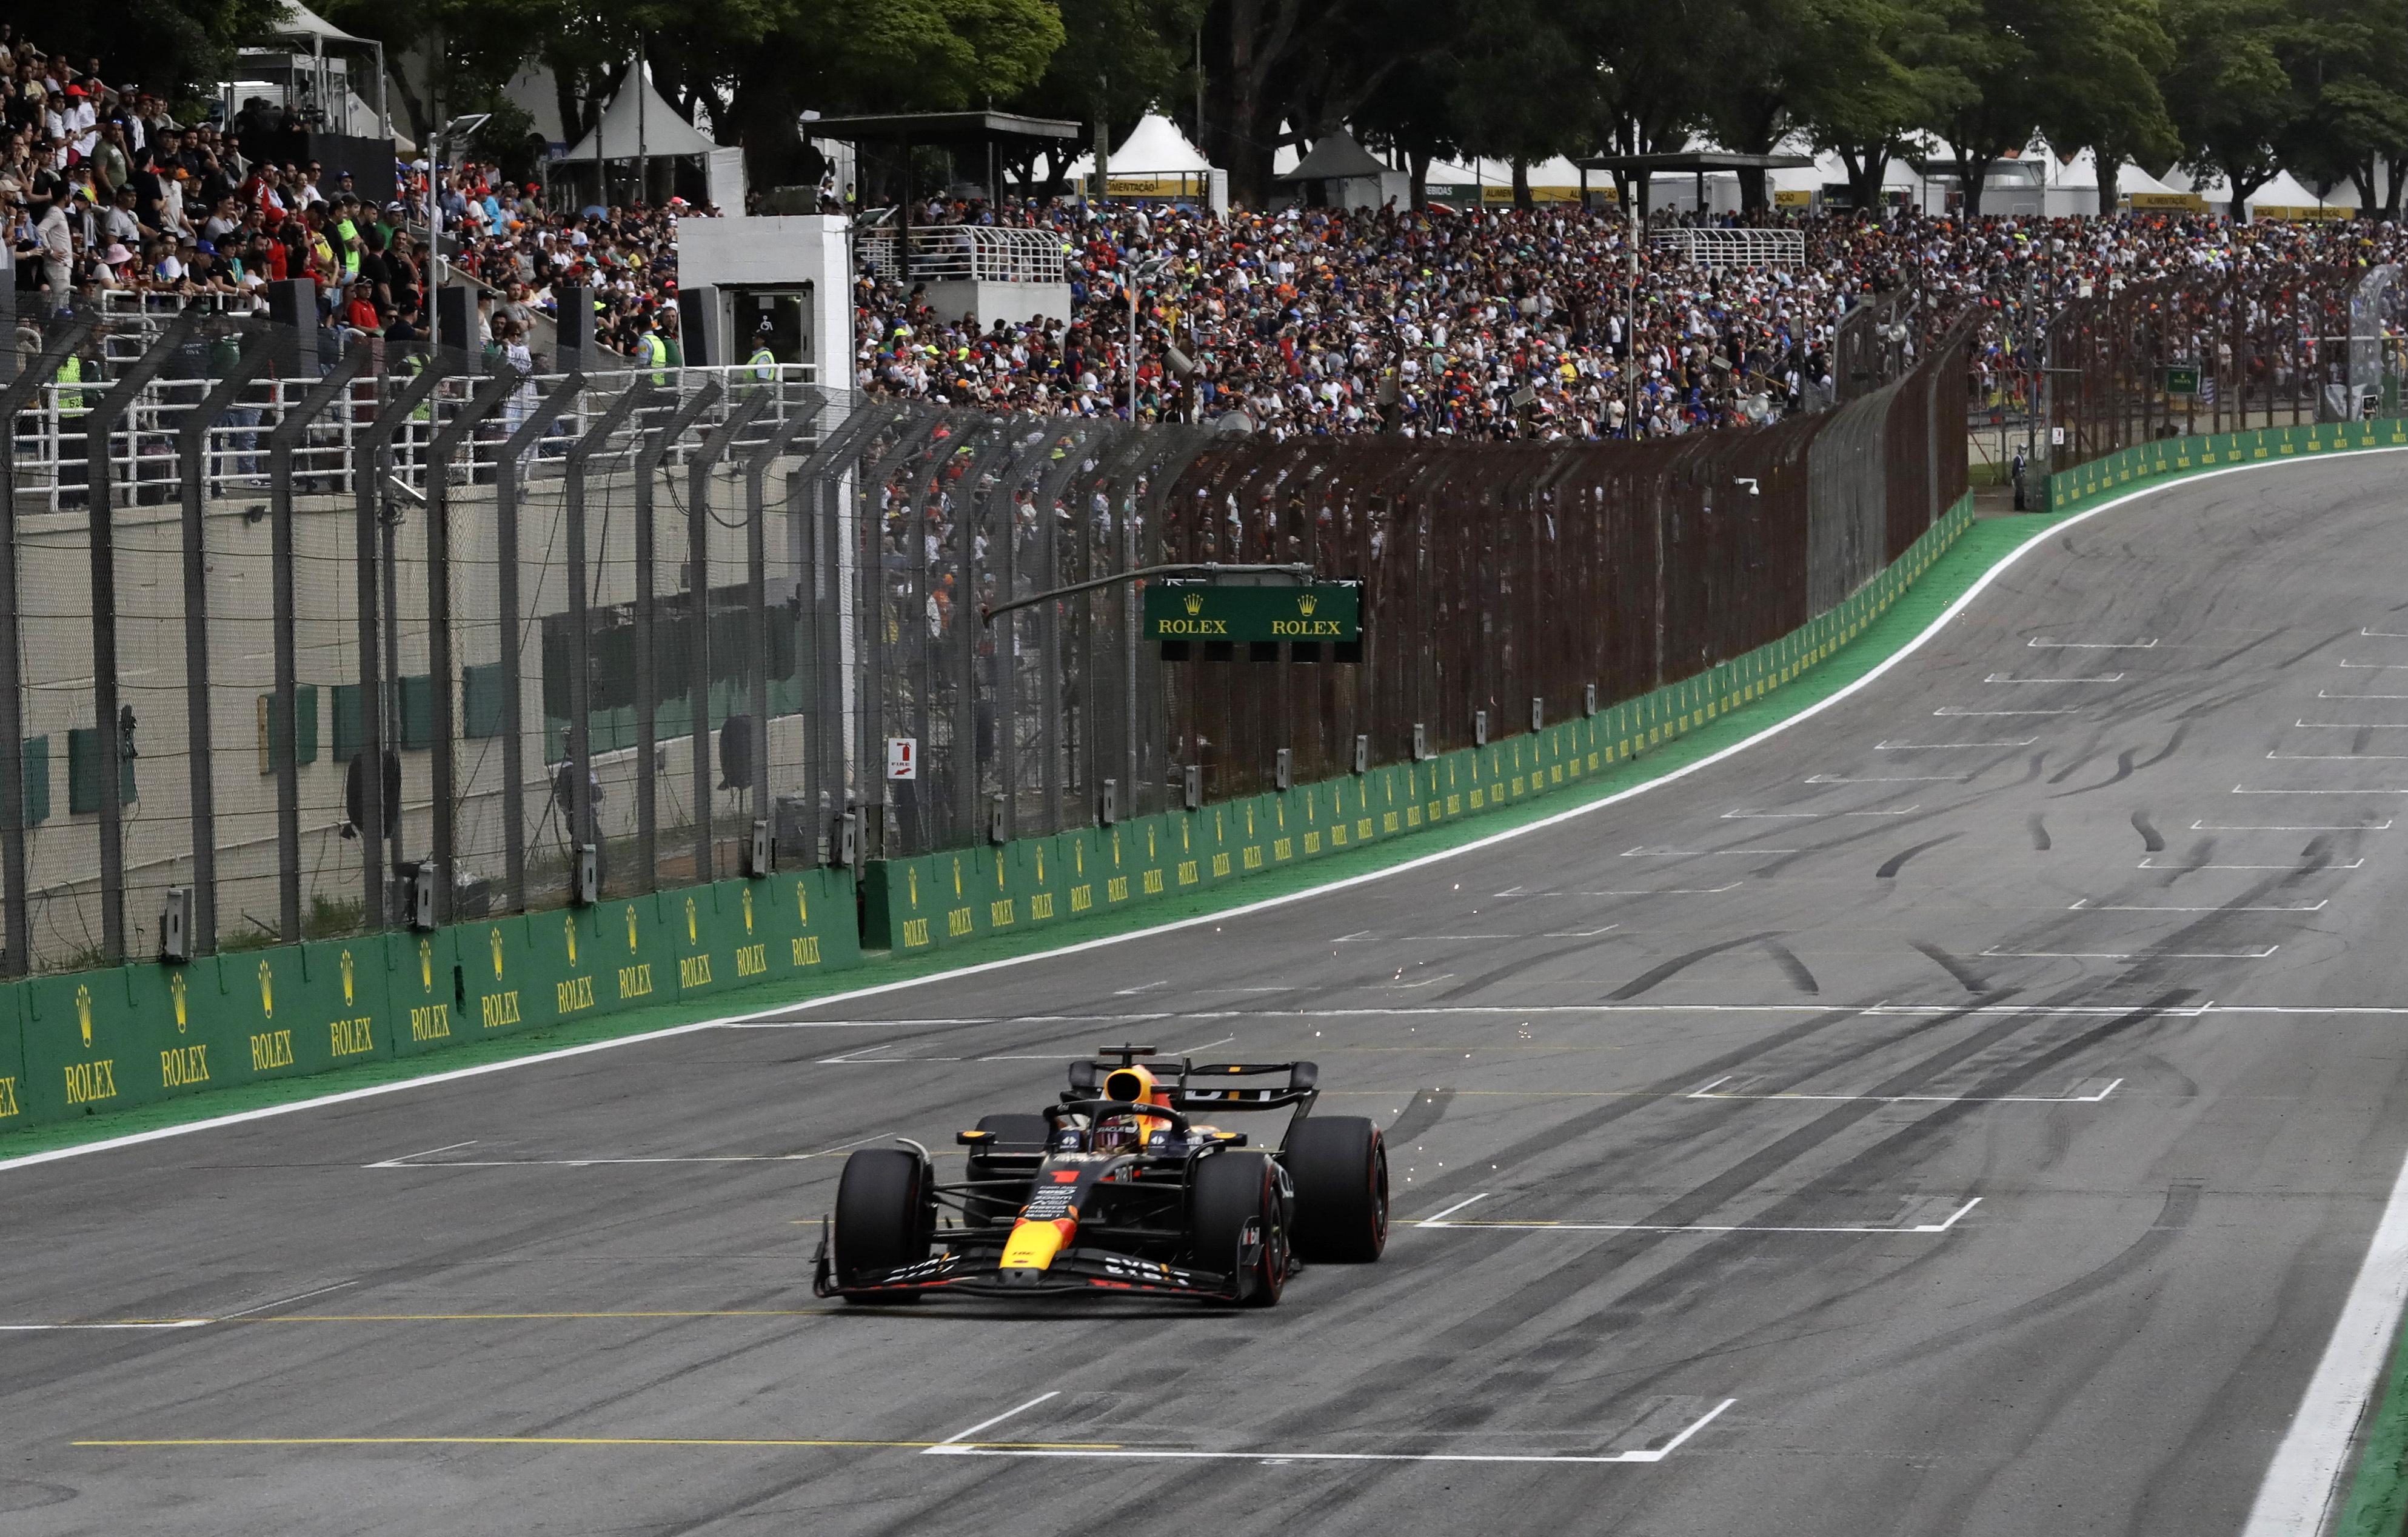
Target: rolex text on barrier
1319,612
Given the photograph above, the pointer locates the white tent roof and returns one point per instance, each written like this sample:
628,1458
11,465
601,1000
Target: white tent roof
665,131
2287,192
299,21
1155,148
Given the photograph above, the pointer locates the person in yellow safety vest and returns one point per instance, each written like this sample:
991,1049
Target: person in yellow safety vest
653,352
764,362
70,402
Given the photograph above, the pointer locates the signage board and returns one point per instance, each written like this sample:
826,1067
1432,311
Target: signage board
1208,611
2183,380
902,757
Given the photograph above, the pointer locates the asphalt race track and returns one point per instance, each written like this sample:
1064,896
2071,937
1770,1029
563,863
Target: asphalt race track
1964,1112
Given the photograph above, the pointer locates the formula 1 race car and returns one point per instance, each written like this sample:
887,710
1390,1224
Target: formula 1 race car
1116,1190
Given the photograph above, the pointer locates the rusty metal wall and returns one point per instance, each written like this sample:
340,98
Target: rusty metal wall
1501,574
2271,351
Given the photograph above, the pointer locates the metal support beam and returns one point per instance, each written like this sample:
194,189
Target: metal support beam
17,958
648,682
506,532
283,755
583,824
697,554
369,493
443,772
191,468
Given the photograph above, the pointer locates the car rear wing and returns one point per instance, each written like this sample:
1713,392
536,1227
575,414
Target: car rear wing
1302,1080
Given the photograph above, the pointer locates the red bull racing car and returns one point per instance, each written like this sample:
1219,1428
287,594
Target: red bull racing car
1119,1188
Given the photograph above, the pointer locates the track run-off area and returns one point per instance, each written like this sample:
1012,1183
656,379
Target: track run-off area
1978,1107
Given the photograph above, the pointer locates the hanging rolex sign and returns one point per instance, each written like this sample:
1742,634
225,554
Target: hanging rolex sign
1323,612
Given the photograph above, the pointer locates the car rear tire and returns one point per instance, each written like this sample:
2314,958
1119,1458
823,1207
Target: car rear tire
1230,1190
1017,1144
1340,1167
885,1216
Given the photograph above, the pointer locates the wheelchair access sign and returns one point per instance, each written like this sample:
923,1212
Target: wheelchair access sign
1210,611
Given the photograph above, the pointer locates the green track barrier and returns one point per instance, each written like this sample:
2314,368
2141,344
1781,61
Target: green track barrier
91,1041
2119,471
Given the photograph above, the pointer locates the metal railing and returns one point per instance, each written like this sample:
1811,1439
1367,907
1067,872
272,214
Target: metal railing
1734,248
966,253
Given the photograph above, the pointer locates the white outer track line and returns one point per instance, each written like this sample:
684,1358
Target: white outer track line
2306,1473
1847,691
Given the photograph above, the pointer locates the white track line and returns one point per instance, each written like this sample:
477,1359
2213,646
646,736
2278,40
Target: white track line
2085,904
954,1442
2305,1477
2150,862
1996,954
1708,1093
1871,675
953,1448
1440,1220
2092,644
154,1323
2104,677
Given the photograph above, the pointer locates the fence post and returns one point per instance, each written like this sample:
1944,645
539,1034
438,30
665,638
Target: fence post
583,823
100,501
192,474
443,772
648,683
18,956
368,498
506,532
697,553
756,584
822,477
284,753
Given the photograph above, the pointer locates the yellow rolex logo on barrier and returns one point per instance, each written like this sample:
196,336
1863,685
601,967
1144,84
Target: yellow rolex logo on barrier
175,991
802,901
748,909
631,927
496,938
83,1012
426,964
1195,603
693,932
266,991
1305,604
347,977
569,931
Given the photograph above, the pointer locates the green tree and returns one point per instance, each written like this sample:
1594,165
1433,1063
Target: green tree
177,49
1866,80
2228,95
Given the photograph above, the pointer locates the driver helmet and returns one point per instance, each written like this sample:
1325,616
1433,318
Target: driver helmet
1126,1134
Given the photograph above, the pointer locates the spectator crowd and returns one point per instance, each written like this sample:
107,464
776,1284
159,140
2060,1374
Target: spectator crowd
1490,324
1512,324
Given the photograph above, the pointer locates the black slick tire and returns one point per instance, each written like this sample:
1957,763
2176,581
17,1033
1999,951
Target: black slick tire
1230,1190
1340,1168
885,1216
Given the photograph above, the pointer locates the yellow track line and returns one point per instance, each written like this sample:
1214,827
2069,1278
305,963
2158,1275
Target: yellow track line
588,1441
